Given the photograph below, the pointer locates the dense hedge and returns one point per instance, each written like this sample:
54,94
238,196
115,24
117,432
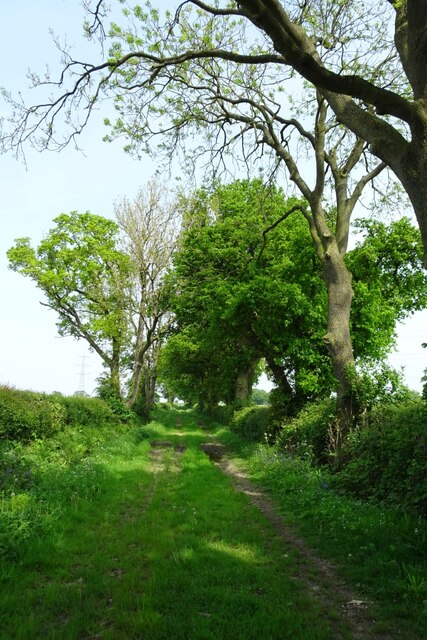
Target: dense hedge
386,459
86,411
25,415
252,423
306,435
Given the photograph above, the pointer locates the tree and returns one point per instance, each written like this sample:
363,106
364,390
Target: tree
202,70
84,277
237,286
183,79
260,396
197,367
149,227
389,281
261,293
378,91
105,281
406,155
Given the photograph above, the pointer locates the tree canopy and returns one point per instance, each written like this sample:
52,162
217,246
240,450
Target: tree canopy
389,281
105,282
237,280
208,66
149,231
85,278
247,276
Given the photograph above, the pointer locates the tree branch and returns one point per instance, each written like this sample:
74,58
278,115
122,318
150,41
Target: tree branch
215,11
296,207
291,41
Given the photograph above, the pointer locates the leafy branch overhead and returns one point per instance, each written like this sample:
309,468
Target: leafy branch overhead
225,72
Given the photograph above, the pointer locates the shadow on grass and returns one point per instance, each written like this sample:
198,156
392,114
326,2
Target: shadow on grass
164,548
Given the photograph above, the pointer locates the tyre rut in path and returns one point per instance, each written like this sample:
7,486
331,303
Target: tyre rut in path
317,574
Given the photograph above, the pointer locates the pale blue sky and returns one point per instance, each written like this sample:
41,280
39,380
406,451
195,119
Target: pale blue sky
32,356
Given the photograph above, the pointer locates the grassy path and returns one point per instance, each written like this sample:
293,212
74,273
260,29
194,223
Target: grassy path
164,548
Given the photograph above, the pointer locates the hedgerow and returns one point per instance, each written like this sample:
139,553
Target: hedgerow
306,435
26,415
386,458
252,423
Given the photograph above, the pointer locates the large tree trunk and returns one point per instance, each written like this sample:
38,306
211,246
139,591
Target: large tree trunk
244,384
408,159
412,172
292,400
279,376
338,282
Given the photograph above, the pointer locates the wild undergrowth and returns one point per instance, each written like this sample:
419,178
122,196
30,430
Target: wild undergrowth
379,549
42,478
119,533
122,532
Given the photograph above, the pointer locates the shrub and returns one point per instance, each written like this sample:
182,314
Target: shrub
306,435
252,423
25,415
109,394
386,458
219,413
86,411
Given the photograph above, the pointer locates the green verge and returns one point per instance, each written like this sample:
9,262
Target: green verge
106,536
379,550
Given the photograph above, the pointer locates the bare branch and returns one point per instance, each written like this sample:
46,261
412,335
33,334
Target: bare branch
365,180
215,11
97,25
291,41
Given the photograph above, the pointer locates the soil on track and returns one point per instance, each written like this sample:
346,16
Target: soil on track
317,574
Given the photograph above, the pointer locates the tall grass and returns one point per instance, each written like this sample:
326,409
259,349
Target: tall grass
379,549
112,538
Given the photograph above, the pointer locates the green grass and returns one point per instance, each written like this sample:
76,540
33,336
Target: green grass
102,536
380,551
105,538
